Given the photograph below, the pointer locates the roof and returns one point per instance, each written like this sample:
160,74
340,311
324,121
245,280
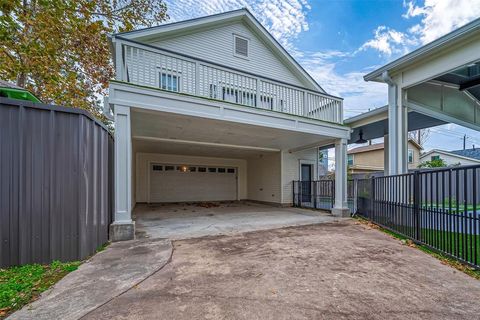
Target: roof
378,146
455,153
469,153
218,19
427,49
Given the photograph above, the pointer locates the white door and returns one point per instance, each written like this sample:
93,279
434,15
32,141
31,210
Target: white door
180,183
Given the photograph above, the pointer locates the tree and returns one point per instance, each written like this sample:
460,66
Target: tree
434,163
58,49
420,136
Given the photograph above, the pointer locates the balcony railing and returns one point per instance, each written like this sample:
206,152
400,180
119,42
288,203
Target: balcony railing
159,68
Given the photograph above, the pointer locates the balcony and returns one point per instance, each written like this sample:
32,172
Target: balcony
154,67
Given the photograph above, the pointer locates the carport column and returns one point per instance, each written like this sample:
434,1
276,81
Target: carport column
341,206
397,128
123,228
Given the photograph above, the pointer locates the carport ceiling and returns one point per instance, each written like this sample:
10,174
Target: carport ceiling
466,78
167,128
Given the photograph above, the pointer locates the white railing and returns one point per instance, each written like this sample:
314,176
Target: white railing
148,66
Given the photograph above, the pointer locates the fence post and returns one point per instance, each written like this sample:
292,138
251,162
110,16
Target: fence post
416,203
372,199
314,185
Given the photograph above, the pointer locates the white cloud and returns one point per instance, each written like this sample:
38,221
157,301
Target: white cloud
441,16
389,41
438,17
359,96
284,19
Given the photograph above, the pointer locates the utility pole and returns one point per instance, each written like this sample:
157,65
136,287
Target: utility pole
464,141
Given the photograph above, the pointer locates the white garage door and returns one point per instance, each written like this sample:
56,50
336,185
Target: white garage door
179,183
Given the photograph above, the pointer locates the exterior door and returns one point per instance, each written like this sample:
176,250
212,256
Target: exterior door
306,175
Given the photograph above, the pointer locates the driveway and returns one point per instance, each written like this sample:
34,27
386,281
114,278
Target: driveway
183,221
339,270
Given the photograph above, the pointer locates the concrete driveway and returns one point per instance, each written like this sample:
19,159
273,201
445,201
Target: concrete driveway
183,221
340,270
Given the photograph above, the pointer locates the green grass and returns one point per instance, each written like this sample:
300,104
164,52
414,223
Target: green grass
455,243
20,285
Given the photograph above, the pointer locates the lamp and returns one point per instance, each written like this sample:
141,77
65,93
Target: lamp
361,140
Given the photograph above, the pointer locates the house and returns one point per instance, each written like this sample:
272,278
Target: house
214,109
453,158
371,158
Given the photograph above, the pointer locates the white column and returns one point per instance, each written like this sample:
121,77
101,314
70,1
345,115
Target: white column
397,131
123,227
386,160
341,206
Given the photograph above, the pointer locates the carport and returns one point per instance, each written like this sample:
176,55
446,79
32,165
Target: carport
440,80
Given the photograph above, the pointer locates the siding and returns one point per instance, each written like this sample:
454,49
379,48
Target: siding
264,183
56,198
216,45
291,170
449,159
143,160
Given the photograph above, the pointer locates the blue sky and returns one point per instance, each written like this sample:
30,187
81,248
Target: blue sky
338,42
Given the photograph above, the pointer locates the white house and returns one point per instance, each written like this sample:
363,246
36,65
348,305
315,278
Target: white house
453,158
212,109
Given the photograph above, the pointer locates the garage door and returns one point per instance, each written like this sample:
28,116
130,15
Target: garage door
180,183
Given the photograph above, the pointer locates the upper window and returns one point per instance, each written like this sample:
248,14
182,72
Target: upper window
350,160
241,46
410,156
169,82
435,158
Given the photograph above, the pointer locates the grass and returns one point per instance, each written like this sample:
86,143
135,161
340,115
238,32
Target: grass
22,284
474,273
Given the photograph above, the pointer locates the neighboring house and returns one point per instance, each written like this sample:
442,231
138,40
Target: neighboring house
371,158
215,108
322,163
453,158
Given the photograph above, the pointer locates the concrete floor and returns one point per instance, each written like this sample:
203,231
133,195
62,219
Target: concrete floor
340,270
183,221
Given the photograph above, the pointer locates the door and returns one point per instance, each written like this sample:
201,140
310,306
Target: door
182,183
306,175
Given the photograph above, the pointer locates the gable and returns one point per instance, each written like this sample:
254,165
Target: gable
217,45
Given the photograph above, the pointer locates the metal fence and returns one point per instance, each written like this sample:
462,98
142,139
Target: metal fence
56,198
437,208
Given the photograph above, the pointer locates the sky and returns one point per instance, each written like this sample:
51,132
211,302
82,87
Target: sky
338,42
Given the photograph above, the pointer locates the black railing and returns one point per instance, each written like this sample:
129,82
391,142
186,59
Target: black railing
320,194
437,208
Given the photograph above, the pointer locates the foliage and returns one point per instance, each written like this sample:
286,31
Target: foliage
58,49
435,163
20,285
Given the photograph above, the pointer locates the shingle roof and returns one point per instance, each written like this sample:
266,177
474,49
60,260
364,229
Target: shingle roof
469,153
376,146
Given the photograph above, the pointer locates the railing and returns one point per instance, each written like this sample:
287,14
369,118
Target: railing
437,208
320,194
159,68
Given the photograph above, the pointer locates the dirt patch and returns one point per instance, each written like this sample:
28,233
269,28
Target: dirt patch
338,270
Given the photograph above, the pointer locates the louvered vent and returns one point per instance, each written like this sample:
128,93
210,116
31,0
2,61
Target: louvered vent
241,46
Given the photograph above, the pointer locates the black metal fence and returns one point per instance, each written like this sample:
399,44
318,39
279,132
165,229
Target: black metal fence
56,187
437,208
320,194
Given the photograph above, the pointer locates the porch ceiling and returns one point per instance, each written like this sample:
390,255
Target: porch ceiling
168,132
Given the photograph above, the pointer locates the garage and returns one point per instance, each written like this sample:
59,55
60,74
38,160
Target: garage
188,183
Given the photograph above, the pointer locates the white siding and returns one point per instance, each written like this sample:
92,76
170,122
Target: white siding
142,170
264,178
216,45
291,170
449,159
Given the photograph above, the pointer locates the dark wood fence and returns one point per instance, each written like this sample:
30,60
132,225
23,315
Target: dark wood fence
56,187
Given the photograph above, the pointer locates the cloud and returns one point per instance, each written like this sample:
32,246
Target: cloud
359,96
389,41
284,19
440,16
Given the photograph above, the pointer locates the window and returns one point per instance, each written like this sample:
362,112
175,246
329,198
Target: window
169,168
202,169
231,170
410,156
212,169
241,46
435,158
350,160
192,169
157,168
169,82
221,170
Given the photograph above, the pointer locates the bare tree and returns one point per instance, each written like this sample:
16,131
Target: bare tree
420,136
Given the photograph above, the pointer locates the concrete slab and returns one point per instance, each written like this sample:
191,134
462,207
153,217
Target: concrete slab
108,274
183,221
337,270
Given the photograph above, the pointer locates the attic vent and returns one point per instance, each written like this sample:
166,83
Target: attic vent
241,46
